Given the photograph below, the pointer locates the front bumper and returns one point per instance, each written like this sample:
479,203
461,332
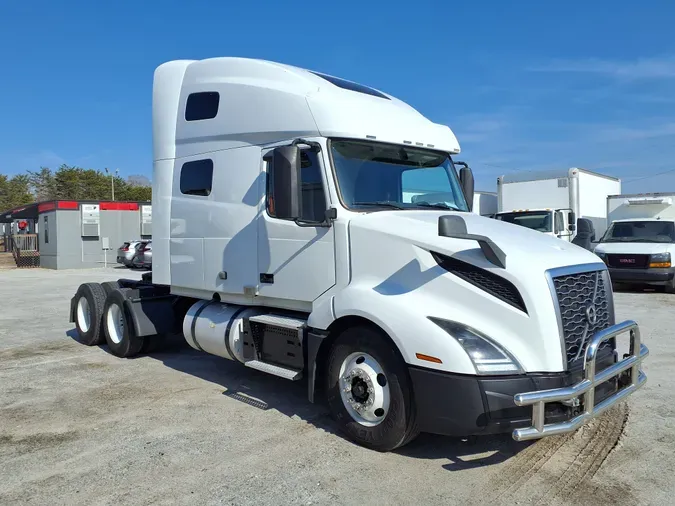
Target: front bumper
656,276
584,392
463,405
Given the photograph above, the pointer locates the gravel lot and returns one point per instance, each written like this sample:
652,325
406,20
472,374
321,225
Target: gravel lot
80,426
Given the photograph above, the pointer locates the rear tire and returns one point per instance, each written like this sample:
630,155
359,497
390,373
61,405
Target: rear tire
368,390
109,286
89,313
118,326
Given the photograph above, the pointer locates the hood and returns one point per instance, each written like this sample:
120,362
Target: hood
631,248
526,250
392,260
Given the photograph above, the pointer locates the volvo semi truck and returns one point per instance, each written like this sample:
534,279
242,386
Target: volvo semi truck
552,201
285,239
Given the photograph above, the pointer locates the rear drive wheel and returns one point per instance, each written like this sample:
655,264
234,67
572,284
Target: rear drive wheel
109,286
89,312
368,390
118,326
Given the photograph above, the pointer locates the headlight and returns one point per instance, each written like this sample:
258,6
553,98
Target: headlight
487,356
659,260
601,254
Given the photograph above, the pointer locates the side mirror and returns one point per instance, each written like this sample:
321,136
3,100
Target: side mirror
572,221
285,182
466,180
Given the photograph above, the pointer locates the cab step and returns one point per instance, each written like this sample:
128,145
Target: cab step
282,372
274,343
286,322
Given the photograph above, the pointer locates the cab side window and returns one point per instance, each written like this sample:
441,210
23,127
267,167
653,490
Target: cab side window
313,197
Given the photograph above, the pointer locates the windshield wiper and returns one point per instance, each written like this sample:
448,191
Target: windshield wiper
380,203
438,205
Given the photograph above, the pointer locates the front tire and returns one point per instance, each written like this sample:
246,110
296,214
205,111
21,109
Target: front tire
670,286
118,326
368,390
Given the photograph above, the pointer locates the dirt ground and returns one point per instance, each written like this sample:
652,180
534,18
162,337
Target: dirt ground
80,426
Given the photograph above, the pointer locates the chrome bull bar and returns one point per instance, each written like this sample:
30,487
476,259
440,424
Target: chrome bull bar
586,387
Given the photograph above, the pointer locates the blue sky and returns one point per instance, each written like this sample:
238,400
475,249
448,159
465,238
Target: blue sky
525,85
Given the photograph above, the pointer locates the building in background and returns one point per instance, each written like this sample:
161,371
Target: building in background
67,234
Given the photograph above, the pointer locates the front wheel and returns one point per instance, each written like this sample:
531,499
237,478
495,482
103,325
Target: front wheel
368,390
670,286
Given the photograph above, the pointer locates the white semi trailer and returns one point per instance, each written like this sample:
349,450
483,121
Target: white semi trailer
552,201
283,241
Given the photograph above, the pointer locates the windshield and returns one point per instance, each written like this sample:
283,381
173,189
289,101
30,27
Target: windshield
536,220
640,231
371,175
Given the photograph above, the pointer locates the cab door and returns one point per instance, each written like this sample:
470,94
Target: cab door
297,262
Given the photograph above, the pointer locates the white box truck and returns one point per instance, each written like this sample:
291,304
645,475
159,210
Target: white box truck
485,203
282,240
552,201
639,245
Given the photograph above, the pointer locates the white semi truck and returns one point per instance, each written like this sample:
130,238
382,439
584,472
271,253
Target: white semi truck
639,245
283,241
552,201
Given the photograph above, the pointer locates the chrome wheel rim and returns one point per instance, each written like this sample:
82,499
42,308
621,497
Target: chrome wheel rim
83,314
364,389
115,323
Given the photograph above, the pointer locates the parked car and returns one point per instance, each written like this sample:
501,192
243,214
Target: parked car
144,257
128,252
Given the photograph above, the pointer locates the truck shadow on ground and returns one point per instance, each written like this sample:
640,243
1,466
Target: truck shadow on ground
265,392
464,453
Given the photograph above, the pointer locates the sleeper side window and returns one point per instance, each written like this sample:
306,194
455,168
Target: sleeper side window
202,105
196,178
313,198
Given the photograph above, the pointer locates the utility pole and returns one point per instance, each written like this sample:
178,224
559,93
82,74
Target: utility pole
112,180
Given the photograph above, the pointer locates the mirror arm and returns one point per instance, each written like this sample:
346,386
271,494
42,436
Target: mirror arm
314,145
331,215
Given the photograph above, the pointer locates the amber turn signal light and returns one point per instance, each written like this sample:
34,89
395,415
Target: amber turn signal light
428,358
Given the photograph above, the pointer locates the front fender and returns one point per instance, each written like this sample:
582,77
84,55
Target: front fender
406,323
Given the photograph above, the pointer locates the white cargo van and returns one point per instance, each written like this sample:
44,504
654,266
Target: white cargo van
639,245
552,201
284,239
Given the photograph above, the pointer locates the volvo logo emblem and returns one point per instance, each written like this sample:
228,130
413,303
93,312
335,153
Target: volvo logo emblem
591,314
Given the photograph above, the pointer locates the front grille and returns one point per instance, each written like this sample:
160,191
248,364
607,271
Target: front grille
575,293
618,261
